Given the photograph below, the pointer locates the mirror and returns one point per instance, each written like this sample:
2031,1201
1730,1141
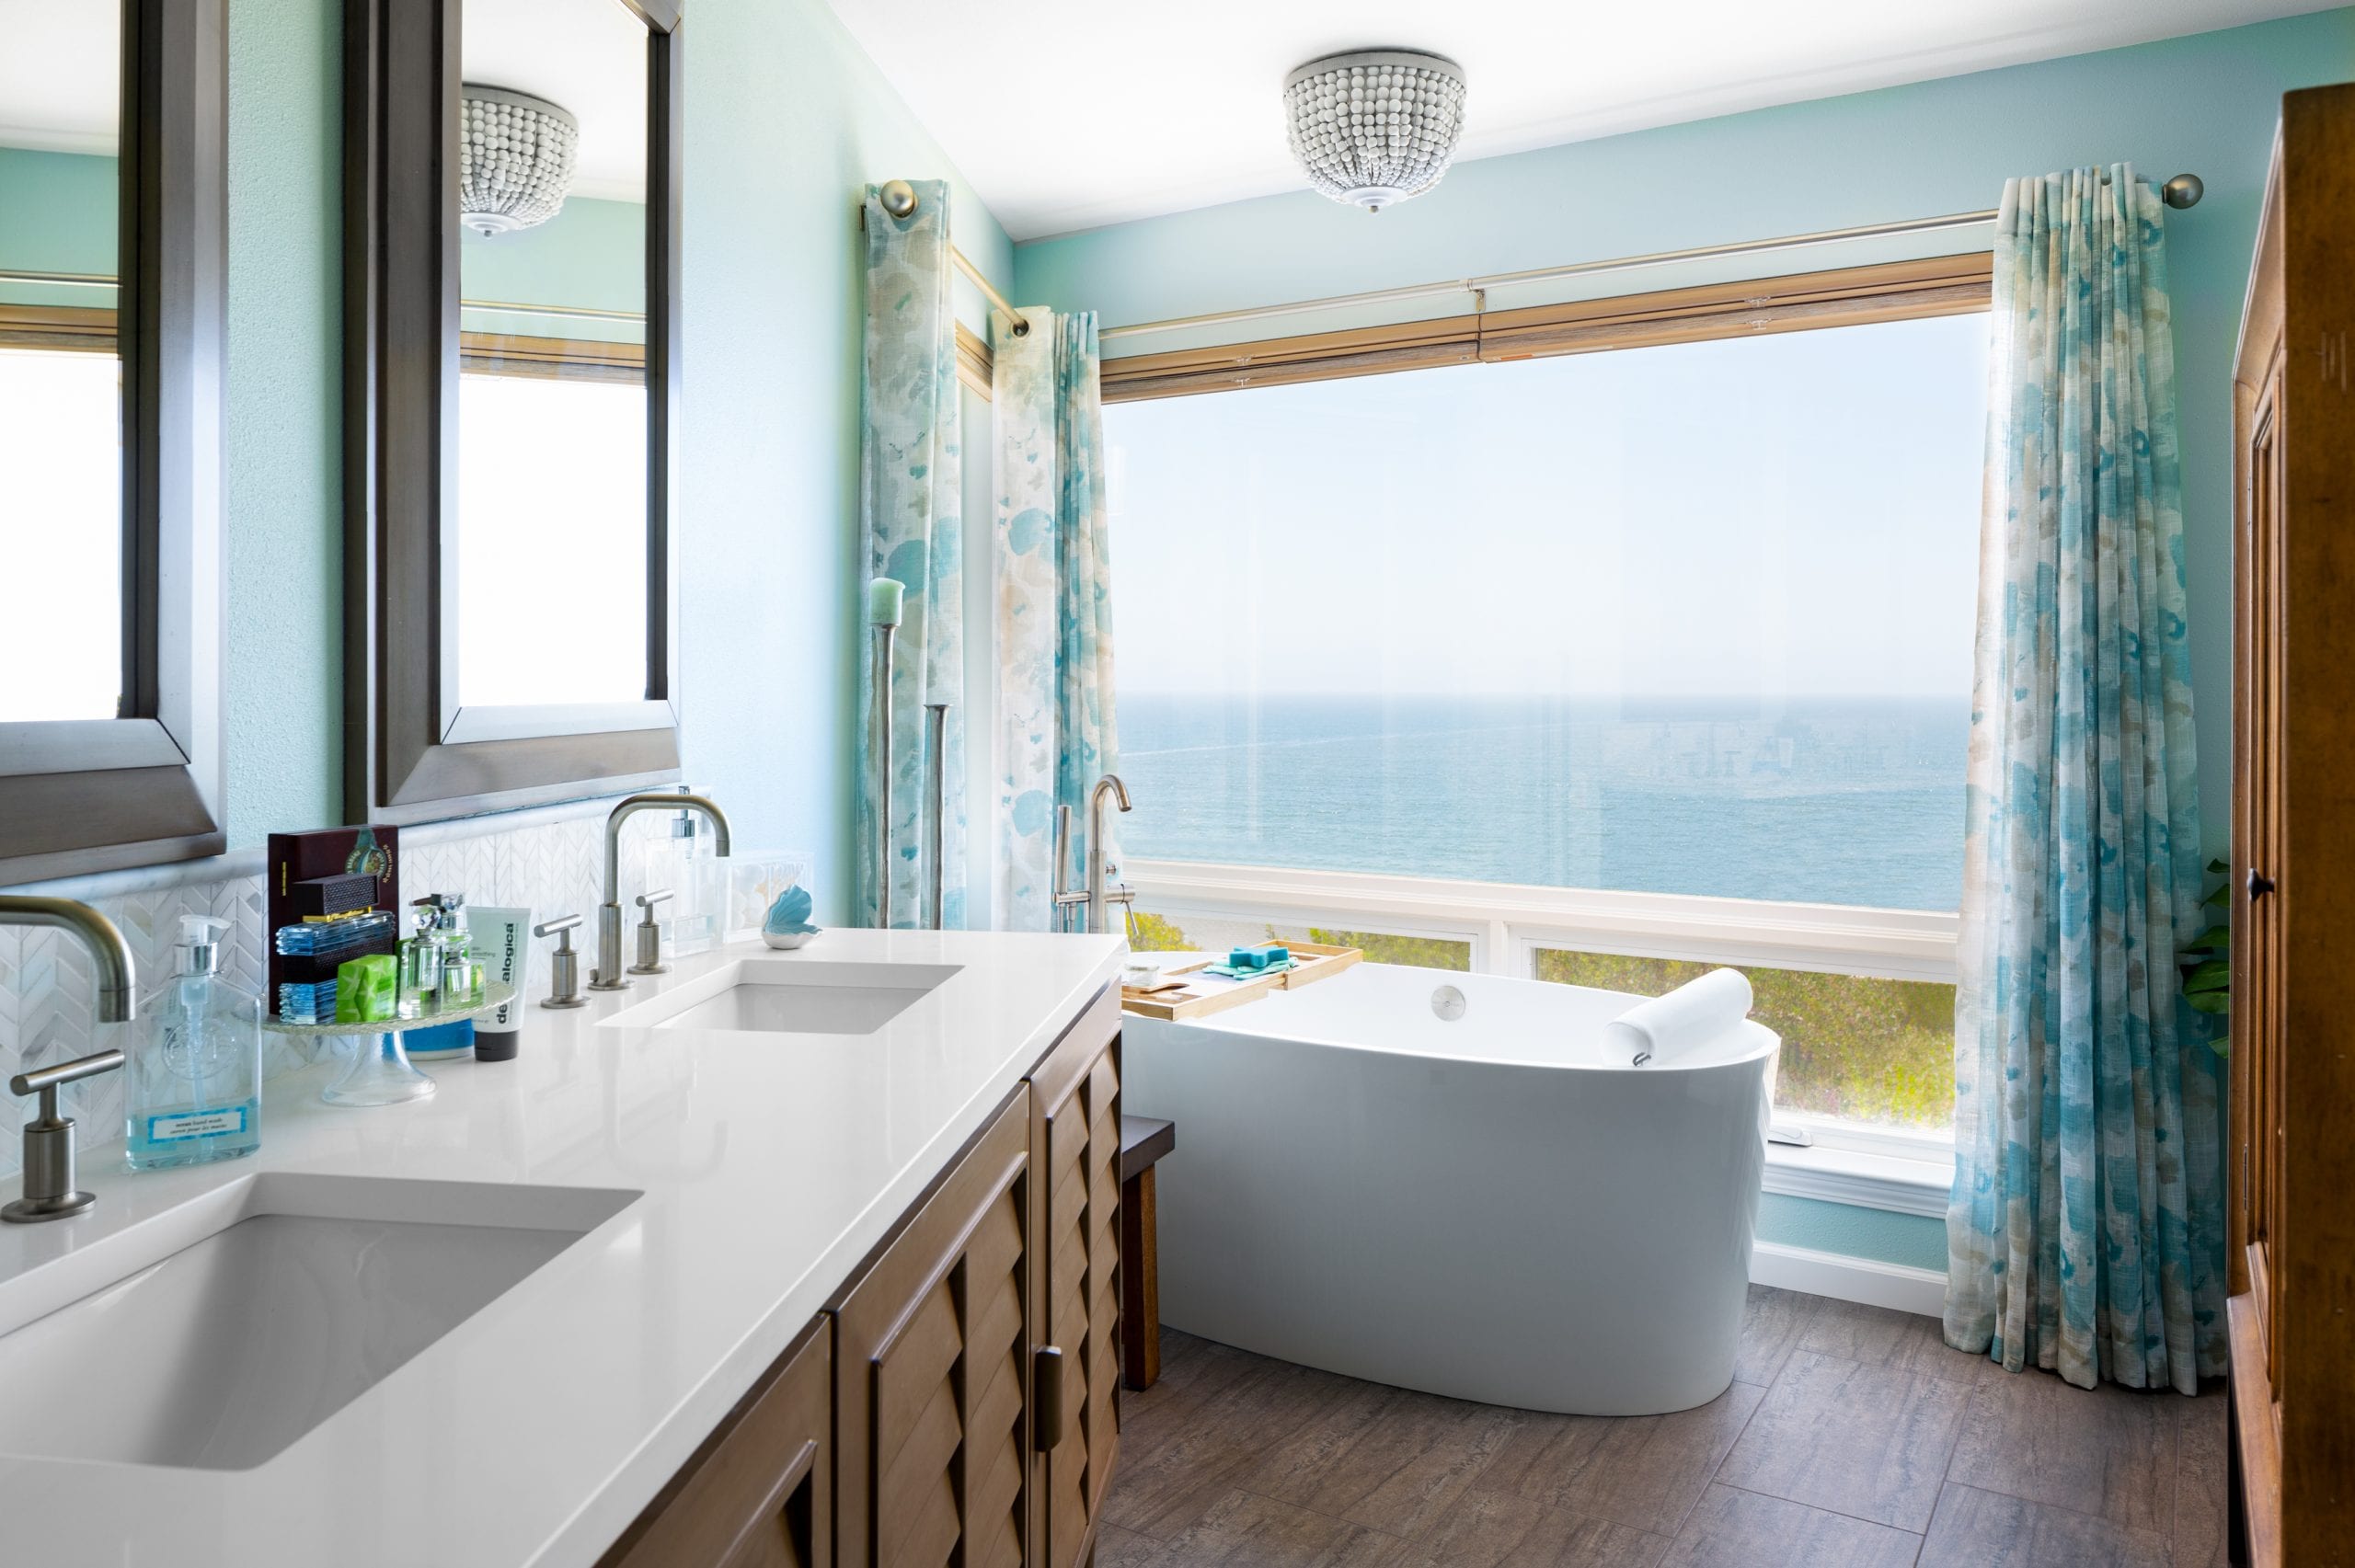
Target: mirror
113,213
548,576
62,586
510,284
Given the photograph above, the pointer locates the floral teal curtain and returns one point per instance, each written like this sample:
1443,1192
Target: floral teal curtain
2085,1226
1055,601
911,530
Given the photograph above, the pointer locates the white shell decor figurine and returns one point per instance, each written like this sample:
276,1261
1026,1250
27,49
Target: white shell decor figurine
787,924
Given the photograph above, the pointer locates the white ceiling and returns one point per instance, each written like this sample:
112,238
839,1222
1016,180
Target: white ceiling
588,56
60,75
1066,114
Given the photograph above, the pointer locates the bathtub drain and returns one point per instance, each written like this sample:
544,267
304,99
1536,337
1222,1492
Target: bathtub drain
1448,1003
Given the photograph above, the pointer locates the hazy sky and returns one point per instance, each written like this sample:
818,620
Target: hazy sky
1794,514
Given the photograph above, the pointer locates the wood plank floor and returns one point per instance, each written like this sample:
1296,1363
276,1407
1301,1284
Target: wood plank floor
1851,1436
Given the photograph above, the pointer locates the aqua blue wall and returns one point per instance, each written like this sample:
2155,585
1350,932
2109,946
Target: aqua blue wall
57,214
787,118
284,418
2205,103
592,253
1909,1239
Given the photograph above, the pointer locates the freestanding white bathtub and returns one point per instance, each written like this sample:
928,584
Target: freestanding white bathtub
1479,1205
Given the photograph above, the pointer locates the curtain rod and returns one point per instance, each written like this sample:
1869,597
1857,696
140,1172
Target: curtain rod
898,198
2183,190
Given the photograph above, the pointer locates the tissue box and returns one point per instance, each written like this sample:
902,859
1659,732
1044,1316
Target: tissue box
366,988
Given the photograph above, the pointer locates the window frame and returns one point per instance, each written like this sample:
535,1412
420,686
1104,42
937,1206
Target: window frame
1507,924
149,785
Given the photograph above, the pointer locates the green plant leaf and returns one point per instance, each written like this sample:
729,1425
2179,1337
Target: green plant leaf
2215,1003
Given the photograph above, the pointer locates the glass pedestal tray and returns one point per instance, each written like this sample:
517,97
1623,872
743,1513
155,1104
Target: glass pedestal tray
381,1072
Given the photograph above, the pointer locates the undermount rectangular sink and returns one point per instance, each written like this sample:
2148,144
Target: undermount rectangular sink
786,996
213,1335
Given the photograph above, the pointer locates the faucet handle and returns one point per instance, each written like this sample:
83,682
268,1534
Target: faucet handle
564,964
50,1192
649,936
45,1081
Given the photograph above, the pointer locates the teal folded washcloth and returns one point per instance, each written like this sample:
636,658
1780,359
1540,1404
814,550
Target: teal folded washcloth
1239,972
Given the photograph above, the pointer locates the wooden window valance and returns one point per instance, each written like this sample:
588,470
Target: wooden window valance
1899,291
76,329
551,359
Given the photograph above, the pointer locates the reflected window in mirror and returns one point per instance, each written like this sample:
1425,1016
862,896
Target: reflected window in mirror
548,582
61,556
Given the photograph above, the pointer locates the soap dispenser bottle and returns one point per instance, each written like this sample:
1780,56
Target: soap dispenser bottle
195,1088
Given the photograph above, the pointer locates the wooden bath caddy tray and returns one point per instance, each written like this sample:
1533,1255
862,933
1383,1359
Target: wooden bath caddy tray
1206,994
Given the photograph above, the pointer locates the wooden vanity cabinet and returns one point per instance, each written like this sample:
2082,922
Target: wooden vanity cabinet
1075,1147
932,1407
956,1404
760,1493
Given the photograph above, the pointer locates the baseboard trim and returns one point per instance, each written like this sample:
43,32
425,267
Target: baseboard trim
1844,1278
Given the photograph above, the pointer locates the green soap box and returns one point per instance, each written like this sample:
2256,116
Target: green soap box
367,990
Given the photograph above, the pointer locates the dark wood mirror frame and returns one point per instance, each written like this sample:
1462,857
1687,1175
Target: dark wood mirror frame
409,755
98,795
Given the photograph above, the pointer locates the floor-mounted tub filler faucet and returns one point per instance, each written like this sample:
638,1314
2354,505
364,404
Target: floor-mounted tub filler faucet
608,975
1098,899
50,1192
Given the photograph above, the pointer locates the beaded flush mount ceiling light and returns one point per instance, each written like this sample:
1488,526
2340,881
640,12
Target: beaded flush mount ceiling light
515,154
1377,126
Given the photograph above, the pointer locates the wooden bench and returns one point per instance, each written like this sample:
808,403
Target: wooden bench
1144,1140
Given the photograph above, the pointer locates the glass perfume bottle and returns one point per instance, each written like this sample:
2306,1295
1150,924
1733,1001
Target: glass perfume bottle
420,984
195,1088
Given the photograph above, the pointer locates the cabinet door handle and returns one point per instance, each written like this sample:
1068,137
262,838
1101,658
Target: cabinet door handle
1047,1397
2259,884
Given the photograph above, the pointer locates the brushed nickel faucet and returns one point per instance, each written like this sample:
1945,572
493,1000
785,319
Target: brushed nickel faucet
1097,899
117,976
50,1191
608,975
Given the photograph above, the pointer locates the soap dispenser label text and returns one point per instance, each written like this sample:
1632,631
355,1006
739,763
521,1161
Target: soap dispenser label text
196,1124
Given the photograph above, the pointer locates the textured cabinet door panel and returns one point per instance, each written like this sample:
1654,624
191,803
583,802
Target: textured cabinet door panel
932,1421
760,1491
1076,1096
2292,1167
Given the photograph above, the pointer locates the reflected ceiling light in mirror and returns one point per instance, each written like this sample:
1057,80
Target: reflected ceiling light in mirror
515,160
1374,127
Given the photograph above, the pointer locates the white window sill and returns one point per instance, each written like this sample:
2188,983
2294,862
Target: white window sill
1899,1184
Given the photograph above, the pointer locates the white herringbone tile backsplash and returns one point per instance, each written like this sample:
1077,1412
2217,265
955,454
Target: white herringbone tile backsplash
47,982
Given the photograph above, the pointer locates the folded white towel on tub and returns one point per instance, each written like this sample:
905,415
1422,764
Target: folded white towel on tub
1693,1014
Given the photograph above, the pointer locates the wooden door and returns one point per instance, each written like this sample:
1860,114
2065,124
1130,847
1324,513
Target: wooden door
932,1376
2291,1163
759,1494
1076,1143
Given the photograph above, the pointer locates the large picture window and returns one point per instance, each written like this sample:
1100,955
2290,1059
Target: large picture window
1686,619
1689,617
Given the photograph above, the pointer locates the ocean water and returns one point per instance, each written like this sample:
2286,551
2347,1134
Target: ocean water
1817,800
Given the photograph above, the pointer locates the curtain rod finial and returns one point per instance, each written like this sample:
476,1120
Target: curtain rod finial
899,198
2183,190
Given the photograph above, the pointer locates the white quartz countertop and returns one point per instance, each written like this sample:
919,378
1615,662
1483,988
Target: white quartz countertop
534,1432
